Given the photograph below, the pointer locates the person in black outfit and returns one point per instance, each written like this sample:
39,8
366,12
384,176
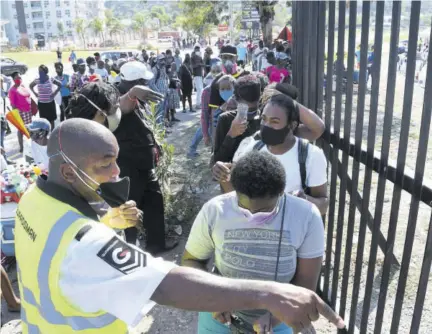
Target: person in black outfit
138,148
231,130
59,55
207,60
185,76
228,55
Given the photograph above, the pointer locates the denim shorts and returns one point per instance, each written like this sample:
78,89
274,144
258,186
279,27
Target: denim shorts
208,325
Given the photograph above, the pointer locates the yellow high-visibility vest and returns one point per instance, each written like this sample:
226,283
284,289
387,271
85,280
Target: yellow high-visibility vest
44,229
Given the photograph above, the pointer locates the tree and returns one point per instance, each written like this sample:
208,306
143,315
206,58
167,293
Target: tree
98,27
282,17
206,14
80,29
116,27
267,13
60,29
158,12
140,22
200,17
109,16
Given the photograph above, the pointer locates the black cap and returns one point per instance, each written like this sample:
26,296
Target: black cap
228,50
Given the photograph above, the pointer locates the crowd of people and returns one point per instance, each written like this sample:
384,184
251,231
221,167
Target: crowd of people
265,226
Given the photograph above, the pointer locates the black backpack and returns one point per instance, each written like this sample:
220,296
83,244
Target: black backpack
302,156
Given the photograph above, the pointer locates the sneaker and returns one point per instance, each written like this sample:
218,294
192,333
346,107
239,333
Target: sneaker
184,111
192,110
176,119
192,155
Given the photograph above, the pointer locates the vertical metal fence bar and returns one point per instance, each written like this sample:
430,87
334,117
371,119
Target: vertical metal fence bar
329,100
321,34
414,207
335,155
313,50
373,112
300,46
306,10
388,119
423,282
320,59
345,156
400,165
358,143
295,46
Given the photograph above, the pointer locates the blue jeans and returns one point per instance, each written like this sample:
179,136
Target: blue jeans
160,111
196,140
208,325
2,136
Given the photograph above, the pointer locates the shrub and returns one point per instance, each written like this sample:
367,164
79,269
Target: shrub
163,169
19,48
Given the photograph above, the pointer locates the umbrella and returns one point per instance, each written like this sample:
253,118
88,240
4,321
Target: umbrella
14,117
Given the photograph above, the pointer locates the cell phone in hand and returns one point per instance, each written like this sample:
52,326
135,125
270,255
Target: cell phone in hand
242,111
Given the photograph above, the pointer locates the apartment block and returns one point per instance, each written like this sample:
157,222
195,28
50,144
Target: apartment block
34,19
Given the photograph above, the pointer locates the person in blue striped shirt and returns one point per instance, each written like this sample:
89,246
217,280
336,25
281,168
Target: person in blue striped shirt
159,83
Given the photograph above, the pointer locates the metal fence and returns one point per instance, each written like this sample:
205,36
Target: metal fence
379,222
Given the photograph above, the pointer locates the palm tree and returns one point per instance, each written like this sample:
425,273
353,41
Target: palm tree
80,29
98,27
116,27
140,22
109,19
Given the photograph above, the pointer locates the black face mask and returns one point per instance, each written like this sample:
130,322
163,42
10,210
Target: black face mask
273,137
115,193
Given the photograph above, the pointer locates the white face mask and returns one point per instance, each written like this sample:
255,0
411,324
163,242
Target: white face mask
93,67
113,120
259,218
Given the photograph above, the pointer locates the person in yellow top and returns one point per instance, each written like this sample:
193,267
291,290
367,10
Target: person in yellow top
77,275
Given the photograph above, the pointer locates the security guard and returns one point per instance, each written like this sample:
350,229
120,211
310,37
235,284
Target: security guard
77,276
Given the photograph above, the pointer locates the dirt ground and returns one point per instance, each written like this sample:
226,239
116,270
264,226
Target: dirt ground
400,210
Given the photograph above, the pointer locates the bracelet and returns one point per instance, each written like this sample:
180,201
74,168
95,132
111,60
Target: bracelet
133,100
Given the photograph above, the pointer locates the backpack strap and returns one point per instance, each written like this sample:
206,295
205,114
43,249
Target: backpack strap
258,145
302,157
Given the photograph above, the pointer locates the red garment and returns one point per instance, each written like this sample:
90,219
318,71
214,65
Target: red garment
20,98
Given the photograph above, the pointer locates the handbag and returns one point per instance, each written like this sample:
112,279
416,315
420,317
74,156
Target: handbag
33,108
238,326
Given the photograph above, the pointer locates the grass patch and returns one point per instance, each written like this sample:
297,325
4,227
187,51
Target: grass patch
36,58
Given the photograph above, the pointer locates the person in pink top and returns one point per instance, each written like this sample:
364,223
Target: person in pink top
20,99
278,73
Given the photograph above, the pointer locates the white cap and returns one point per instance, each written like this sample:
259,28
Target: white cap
135,70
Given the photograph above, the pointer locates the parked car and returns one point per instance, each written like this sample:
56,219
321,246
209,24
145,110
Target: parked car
109,44
117,54
9,66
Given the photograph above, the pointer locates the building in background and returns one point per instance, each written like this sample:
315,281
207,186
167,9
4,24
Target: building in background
3,38
49,19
